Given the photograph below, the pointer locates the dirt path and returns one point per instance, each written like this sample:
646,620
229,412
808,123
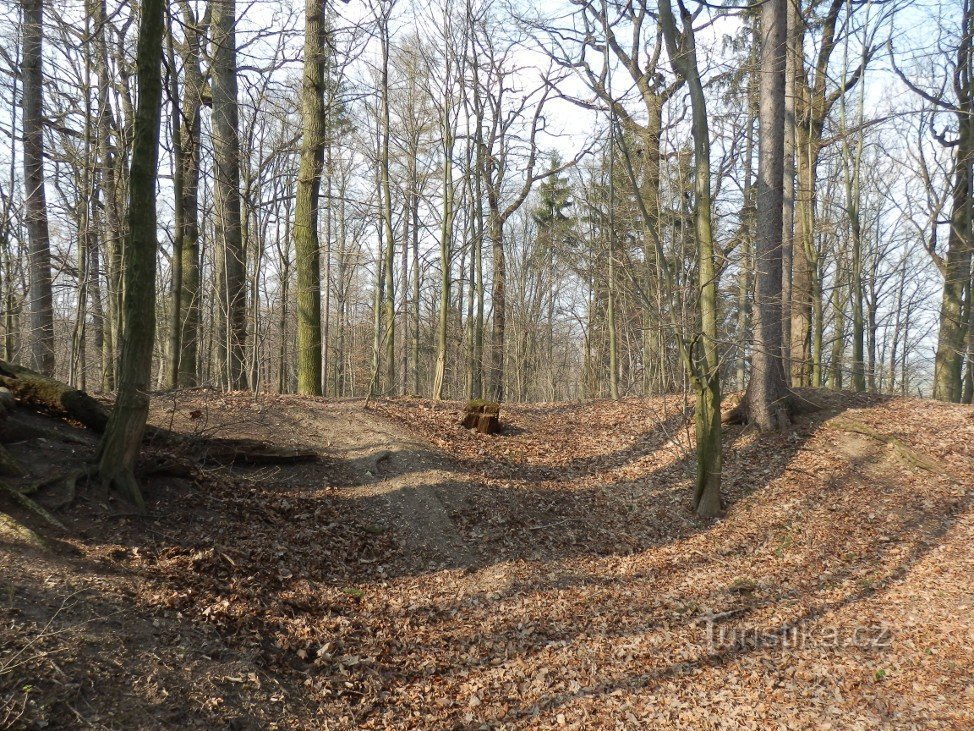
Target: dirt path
409,488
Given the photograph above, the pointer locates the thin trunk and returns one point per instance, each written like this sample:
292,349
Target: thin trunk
230,255
703,362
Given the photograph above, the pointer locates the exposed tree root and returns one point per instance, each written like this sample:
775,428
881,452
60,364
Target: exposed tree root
124,484
69,480
31,505
14,530
909,455
9,466
793,404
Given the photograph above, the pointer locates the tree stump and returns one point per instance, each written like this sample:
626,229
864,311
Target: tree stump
482,416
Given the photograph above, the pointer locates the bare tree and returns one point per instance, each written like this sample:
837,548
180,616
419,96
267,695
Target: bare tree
41,303
119,446
229,249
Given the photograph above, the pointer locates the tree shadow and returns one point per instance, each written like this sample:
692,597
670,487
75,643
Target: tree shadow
569,530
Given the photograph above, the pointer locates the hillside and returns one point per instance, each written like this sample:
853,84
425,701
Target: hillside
553,576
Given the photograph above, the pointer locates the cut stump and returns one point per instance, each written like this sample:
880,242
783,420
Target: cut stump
482,416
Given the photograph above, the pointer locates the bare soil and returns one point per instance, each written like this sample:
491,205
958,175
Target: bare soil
552,576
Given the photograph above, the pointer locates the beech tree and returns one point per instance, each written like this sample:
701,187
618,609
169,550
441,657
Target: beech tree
766,401
41,297
306,244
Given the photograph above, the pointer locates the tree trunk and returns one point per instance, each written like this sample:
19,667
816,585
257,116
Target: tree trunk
794,57
446,248
389,300
41,304
119,446
498,300
188,234
230,256
704,361
766,396
957,273
306,205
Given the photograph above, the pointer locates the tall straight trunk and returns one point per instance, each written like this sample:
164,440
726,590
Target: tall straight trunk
650,193
478,291
766,395
407,224
111,229
87,190
793,59
446,246
178,174
119,446
967,395
610,313
41,303
747,227
414,207
306,204
855,291
802,262
389,301
328,173
852,166
498,301
872,326
230,255
957,267
838,337
814,101
188,233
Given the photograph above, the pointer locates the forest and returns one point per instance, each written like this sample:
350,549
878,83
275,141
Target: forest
335,330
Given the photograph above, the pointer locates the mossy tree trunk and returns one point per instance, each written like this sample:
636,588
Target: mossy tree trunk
703,360
956,266
120,443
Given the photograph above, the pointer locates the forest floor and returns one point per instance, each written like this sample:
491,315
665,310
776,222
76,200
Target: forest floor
552,576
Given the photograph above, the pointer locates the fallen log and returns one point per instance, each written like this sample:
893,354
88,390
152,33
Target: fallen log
51,396
251,452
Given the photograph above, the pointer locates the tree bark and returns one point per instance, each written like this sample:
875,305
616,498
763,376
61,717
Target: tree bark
120,443
41,303
703,361
230,255
306,205
767,395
